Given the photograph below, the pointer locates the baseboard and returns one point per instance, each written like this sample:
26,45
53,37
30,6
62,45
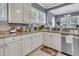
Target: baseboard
66,54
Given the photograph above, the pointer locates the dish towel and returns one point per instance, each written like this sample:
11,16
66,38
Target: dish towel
69,39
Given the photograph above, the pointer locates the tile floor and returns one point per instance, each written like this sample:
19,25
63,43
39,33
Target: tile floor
38,52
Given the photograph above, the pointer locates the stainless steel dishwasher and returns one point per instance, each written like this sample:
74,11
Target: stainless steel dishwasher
71,47
66,46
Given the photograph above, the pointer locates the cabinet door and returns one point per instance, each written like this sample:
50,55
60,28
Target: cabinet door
52,40
26,45
27,13
1,51
3,12
56,41
15,13
1,47
47,41
40,38
13,49
36,41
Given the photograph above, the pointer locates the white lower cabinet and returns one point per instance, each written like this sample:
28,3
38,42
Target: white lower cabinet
1,47
56,41
1,51
48,39
26,44
13,49
52,40
23,45
36,40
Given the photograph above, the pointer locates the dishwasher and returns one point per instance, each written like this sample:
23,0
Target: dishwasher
70,45
67,44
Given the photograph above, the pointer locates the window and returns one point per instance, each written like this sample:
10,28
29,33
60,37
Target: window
64,22
74,21
70,22
38,17
35,15
42,18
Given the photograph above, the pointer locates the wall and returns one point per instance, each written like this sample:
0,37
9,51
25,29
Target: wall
49,18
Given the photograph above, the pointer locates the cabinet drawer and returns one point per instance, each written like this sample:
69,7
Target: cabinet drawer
26,36
12,39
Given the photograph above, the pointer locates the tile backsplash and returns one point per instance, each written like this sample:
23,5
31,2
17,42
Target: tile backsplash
4,26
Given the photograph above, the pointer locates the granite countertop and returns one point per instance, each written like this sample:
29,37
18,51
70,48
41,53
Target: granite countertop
6,35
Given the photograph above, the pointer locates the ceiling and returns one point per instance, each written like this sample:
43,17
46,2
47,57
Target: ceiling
61,10
66,9
49,5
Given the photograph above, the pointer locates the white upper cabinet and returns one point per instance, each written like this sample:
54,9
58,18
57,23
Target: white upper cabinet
27,13
19,13
15,13
3,12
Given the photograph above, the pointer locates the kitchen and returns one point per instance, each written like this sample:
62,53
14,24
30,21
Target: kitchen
49,27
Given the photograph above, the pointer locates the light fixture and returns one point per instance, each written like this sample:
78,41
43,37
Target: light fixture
67,15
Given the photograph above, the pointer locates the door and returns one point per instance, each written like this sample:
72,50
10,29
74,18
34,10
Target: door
1,47
15,13
13,49
26,45
27,13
